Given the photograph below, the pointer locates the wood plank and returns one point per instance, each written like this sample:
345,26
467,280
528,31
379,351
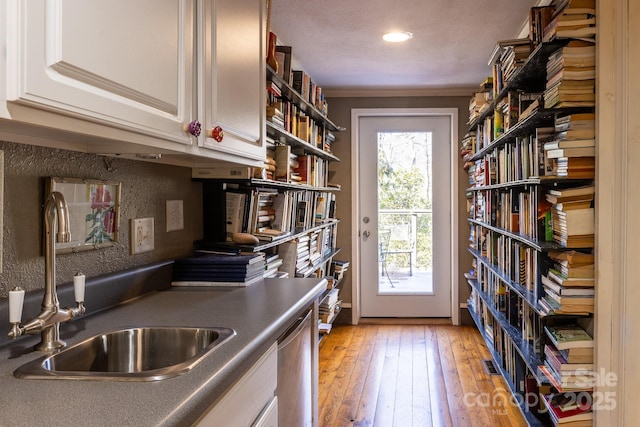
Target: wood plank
403,402
472,399
457,409
437,386
386,395
355,390
329,361
421,396
369,399
410,375
341,375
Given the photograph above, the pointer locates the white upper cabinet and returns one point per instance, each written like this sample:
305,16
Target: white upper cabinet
125,64
132,75
232,77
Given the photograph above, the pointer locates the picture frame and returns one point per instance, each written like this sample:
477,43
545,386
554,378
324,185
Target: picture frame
94,212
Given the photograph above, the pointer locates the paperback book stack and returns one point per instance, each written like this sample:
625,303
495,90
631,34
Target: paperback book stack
568,365
330,306
569,285
571,76
572,216
286,162
468,148
513,57
339,268
573,143
573,19
481,100
272,262
218,269
275,111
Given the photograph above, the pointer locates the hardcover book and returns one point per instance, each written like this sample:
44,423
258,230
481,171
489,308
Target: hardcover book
568,336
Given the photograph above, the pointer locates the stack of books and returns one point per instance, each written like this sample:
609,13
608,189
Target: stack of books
513,57
569,285
571,76
567,410
468,148
481,100
339,268
573,19
272,262
574,137
219,269
572,217
329,306
568,365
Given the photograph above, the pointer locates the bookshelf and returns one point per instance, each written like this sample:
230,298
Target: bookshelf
522,216
290,196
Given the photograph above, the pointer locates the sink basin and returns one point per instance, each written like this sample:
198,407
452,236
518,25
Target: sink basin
131,354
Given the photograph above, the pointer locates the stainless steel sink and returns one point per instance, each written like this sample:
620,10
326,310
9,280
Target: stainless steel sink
131,354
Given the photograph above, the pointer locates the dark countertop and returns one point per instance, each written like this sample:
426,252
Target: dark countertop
259,314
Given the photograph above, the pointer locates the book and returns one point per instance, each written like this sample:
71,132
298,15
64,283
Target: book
570,300
566,290
234,212
576,134
568,416
206,283
577,355
550,306
222,259
558,363
579,416
568,336
283,56
571,257
568,385
563,280
561,144
575,204
574,122
585,190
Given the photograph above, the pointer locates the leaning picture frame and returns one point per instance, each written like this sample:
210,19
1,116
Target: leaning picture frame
94,212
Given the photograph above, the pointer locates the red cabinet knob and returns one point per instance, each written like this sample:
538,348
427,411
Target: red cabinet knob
217,133
194,128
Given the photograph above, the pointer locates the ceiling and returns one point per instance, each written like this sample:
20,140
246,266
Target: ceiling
339,42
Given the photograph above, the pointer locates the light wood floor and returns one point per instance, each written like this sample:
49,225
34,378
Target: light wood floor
409,375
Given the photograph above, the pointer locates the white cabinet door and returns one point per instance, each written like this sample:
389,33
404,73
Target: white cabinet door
124,64
249,399
232,77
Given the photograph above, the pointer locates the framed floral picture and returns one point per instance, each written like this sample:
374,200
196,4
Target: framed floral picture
94,211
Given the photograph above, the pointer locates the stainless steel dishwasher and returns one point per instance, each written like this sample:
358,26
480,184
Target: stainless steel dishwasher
295,374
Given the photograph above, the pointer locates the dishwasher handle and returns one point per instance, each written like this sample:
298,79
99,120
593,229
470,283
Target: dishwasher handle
294,330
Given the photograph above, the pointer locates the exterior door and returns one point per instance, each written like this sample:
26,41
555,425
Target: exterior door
405,215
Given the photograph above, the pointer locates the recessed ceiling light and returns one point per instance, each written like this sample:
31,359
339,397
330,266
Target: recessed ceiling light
397,36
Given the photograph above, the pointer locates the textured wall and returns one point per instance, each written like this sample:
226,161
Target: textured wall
145,188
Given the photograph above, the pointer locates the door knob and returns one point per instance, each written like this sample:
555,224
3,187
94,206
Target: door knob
366,234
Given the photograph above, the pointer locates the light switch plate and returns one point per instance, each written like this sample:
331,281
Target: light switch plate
175,215
141,235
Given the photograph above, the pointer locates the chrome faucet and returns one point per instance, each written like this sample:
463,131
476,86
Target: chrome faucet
47,323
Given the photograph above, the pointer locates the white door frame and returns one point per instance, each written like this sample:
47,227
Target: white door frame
356,114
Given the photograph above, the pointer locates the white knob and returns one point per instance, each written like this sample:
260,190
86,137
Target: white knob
16,300
78,287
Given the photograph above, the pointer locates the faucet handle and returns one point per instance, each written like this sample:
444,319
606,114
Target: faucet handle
16,301
78,287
